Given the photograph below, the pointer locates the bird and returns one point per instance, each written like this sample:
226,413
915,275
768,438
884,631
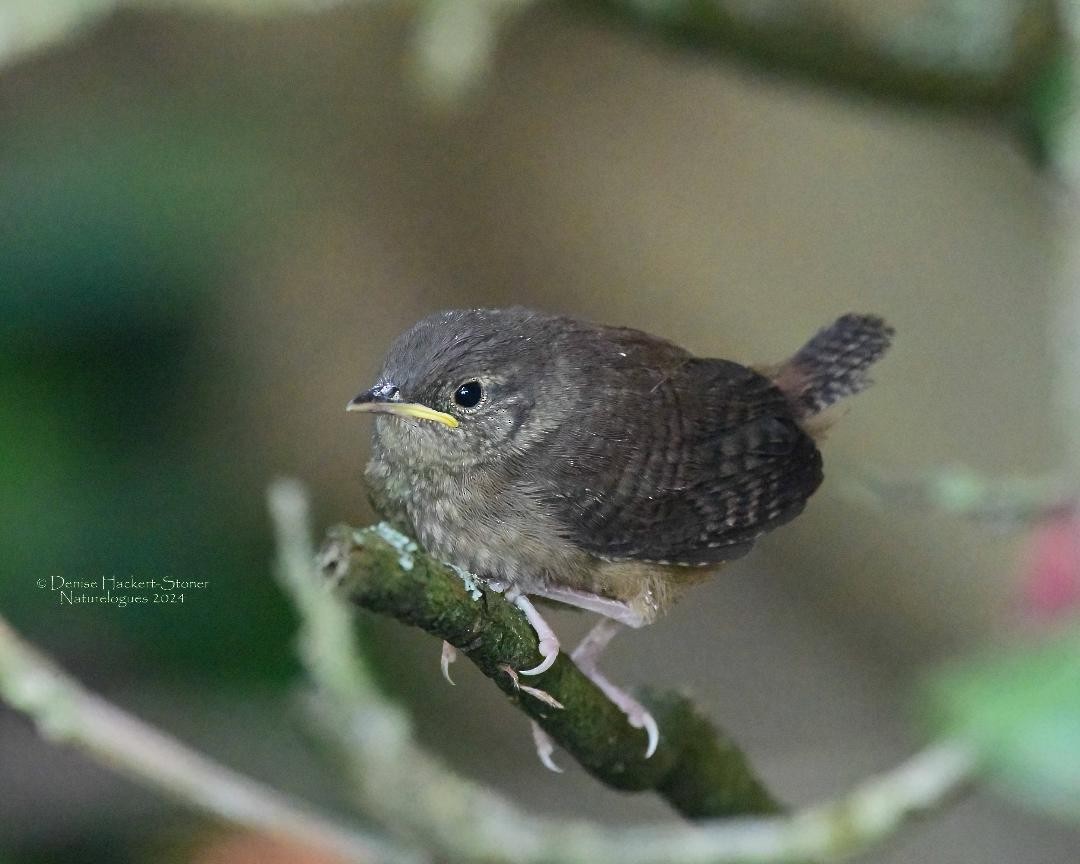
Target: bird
596,466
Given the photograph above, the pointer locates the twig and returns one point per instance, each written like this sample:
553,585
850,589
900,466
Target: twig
695,768
990,56
1005,502
65,712
969,57
416,796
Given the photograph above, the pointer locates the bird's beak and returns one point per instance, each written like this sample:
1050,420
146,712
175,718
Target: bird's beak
384,400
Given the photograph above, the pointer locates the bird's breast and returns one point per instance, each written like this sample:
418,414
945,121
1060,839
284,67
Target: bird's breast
476,519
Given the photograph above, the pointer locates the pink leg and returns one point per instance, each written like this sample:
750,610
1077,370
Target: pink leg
587,655
613,609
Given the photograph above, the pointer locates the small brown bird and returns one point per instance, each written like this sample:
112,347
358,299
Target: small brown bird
600,467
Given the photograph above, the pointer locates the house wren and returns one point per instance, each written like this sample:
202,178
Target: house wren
597,466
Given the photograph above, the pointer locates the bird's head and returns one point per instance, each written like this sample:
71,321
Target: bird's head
465,385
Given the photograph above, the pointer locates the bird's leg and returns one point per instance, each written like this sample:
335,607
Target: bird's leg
614,609
549,642
587,655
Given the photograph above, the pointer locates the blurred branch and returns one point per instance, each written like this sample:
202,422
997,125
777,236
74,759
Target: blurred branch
997,55
945,52
414,795
65,712
1065,324
1006,502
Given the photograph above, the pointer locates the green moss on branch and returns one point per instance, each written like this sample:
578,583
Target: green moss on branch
695,768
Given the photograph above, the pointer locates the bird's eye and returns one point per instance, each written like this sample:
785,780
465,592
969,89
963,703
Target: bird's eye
469,394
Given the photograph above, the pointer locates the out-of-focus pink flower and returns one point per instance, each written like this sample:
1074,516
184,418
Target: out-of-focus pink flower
1051,570
250,848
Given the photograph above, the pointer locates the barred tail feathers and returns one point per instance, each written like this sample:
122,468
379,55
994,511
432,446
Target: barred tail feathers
834,363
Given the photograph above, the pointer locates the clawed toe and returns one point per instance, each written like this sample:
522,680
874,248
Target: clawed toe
549,650
586,656
644,720
548,641
535,692
542,695
449,655
637,715
545,748
545,745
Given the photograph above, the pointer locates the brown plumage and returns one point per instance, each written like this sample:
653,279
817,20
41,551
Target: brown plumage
599,466
596,444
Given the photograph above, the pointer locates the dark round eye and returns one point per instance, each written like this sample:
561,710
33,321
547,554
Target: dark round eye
469,394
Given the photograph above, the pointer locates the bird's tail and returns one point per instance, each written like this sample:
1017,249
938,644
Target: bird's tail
833,364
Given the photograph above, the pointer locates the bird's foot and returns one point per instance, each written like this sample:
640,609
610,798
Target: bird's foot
449,655
587,655
535,692
545,744
549,642
636,714
545,747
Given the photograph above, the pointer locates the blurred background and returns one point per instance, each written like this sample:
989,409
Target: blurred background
211,227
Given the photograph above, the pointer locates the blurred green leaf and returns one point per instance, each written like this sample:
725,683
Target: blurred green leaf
1045,124
1022,711
115,242
119,231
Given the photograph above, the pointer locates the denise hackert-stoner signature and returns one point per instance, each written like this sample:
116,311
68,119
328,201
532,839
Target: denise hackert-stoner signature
121,592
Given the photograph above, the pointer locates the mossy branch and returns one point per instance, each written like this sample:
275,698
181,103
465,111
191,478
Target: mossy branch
416,797
695,768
